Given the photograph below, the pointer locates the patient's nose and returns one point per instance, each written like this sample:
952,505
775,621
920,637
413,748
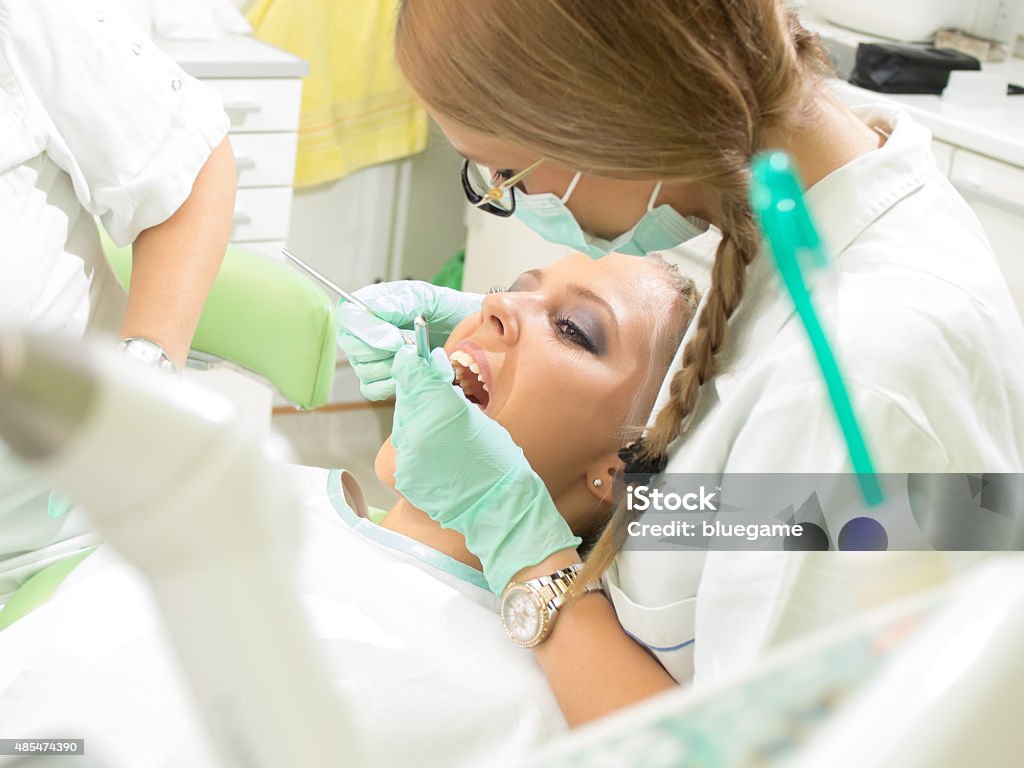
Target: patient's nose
501,313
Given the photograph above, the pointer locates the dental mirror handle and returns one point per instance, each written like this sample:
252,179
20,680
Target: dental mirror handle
407,336
422,331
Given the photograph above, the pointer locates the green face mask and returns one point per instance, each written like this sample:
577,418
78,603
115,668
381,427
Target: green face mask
658,229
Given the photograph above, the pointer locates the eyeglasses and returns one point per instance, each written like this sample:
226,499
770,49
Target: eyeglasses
493,194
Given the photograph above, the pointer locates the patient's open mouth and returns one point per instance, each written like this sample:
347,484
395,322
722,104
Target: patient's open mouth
469,377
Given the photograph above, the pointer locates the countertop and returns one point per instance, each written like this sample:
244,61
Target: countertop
232,56
996,133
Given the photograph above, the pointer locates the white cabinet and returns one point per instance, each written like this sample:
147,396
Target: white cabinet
995,192
262,91
943,155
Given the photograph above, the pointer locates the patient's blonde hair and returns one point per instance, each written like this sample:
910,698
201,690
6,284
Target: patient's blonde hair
671,323
677,90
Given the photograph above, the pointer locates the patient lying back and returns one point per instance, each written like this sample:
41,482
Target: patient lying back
568,359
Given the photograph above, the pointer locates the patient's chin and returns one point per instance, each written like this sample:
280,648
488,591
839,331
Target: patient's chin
384,464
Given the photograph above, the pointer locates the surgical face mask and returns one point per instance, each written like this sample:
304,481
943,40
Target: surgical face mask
658,229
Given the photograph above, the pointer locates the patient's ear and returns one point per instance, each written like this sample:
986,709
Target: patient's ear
600,475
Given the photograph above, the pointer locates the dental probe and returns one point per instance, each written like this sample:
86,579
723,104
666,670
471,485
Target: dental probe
407,336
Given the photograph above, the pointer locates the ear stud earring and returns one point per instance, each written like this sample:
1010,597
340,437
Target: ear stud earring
597,482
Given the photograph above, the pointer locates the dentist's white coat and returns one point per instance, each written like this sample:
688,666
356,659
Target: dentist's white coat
94,121
932,349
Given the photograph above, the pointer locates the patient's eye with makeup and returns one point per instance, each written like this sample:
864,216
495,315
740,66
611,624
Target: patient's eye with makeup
574,334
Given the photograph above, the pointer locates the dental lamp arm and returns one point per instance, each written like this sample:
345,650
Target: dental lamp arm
174,263
179,486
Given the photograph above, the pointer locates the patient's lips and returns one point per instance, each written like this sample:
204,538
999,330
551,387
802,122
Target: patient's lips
472,373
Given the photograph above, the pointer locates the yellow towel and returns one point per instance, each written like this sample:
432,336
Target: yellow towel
356,108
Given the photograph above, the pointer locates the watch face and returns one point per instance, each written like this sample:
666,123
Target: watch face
147,352
521,615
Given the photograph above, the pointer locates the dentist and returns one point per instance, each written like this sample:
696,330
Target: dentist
95,121
625,125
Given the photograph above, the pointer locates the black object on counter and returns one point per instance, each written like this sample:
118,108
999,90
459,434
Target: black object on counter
892,68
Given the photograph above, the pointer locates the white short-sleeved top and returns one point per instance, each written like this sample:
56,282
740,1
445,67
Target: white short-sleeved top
932,351
93,117
94,120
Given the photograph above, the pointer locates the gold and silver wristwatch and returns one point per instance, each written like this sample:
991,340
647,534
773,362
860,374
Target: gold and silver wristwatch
528,608
148,352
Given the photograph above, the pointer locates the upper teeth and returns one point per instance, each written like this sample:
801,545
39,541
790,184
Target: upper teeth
463,359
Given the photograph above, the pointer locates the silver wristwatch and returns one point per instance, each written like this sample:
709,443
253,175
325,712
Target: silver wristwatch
528,608
148,352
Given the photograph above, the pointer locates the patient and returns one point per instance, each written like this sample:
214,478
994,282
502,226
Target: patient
568,359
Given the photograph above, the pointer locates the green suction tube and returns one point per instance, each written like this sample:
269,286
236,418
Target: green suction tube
778,204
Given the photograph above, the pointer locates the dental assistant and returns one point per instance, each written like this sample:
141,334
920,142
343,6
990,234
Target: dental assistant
641,117
96,121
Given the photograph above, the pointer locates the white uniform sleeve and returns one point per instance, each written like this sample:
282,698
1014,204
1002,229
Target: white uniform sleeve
130,128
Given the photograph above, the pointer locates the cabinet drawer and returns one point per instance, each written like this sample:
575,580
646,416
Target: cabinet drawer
993,190
269,104
986,180
262,214
265,159
943,155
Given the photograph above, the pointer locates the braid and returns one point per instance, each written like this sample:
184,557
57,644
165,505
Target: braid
740,242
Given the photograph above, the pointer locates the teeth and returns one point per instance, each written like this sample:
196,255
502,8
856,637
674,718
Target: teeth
485,387
474,368
462,358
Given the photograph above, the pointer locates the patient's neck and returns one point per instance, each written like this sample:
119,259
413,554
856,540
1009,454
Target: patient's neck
413,522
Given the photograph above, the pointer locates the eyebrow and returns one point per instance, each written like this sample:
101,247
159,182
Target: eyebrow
583,293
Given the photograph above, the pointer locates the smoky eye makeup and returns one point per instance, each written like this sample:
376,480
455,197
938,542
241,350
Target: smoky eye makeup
583,329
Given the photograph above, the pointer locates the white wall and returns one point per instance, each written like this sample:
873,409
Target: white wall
387,222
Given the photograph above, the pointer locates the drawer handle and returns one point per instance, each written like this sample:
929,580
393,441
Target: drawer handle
241,218
243,163
243,107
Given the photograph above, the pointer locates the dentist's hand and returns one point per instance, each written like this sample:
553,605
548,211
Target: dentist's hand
370,344
462,469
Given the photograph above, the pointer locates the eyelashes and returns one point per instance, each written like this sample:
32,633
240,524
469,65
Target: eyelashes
499,289
573,334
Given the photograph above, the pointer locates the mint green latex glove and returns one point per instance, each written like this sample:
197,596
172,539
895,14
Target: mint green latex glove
463,469
370,344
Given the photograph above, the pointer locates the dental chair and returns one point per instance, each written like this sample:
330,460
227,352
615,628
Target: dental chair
261,316
264,317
